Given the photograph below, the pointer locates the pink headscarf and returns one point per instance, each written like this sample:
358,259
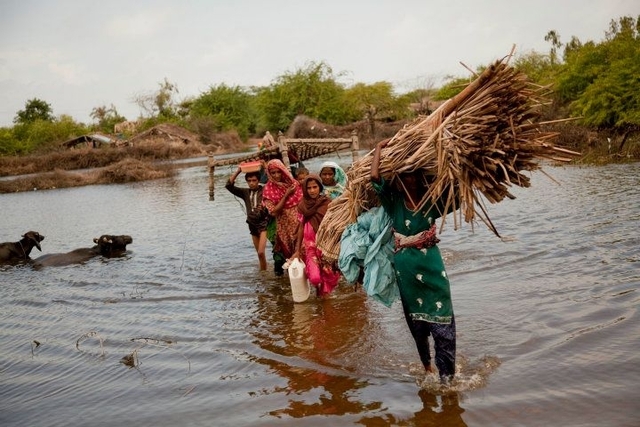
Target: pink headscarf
274,190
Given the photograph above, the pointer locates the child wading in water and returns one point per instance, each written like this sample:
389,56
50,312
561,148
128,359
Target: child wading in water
334,179
257,215
312,209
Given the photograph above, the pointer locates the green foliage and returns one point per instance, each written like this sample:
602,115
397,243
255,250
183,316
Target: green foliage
164,99
376,101
582,68
417,101
44,135
226,108
612,100
162,103
452,87
554,38
574,45
106,118
312,91
9,144
538,68
34,109
600,80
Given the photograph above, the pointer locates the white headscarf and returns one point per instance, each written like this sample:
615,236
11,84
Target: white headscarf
340,177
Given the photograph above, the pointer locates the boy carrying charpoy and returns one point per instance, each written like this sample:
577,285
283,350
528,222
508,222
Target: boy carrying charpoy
257,215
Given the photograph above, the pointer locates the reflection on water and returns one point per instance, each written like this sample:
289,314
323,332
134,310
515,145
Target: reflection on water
184,329
440,410
313,346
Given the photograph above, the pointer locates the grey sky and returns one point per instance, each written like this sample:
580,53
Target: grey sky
80,54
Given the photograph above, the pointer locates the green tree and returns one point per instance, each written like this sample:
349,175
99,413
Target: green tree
227,108
43,135
9,144
574,45
613,100
106,117
34,109
582,68
419,100
313,91
539,68
601,81
453,86
160,104
375,102
554,38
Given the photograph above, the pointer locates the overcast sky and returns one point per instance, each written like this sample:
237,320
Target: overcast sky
81,54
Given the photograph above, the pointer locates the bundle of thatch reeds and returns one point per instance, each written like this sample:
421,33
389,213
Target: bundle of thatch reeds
476,143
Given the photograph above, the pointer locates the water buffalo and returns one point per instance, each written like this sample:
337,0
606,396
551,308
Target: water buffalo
107,245
20,250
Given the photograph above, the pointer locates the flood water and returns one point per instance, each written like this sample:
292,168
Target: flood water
184,329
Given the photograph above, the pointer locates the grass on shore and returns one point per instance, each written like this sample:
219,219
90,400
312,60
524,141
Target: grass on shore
127,170
108,165
89,158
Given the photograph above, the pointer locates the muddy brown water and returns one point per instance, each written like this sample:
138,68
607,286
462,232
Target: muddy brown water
184,329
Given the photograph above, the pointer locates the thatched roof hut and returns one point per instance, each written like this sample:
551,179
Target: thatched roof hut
94,140
165,132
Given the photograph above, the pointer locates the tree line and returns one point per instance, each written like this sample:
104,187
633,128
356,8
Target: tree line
596,82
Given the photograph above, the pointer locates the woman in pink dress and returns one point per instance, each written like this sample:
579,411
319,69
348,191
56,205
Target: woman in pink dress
281,196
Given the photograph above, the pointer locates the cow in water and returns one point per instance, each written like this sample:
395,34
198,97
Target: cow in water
106,245
20,250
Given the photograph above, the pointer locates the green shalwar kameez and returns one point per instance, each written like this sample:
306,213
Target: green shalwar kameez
422,280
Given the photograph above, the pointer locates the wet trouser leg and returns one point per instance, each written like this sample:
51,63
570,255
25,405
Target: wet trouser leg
444,337
278,263
420,332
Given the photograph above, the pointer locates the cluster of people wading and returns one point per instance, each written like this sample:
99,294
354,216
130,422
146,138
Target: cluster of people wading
288,210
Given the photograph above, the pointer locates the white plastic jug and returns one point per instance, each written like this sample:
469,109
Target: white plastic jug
299,284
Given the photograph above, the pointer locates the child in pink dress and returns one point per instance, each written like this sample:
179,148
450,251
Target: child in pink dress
312,209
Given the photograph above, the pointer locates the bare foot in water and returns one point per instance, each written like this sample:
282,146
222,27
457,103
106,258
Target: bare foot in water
429,369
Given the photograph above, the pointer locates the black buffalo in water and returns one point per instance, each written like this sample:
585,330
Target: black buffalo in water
107,245
20,250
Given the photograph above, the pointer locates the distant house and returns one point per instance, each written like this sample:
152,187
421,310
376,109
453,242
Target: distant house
165,132
94,140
